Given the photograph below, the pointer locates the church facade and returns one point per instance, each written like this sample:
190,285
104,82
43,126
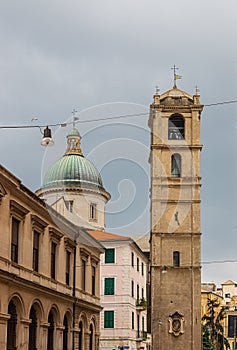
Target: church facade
175,220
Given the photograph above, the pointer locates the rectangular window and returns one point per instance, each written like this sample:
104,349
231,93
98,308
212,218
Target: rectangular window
83,275
36,251
132,257
176,259
68,266
227,295
232,326
108,319
132,320
133,289
110,256
109,286
142,293
93,211
137,264
15,238
138,296
93,270
142,269
138,326
53,260
69,205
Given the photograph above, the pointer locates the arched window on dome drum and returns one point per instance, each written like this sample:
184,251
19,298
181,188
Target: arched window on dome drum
176,127
176,165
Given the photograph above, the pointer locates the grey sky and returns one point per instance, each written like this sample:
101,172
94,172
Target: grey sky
60,55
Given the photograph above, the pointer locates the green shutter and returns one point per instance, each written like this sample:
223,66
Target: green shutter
109,319
109,256
109,286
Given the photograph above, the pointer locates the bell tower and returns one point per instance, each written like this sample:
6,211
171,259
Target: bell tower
175,220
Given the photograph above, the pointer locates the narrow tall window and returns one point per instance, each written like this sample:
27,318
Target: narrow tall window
132,259
33,329
176,128
83,275
109,256
138,264
176,165
132,320
109,286
69,205
138,296
68,266
15,238
11,326
65,333
80,336
142,269
108,319
132,288
53,260
138,326
36,251
176,259
91,345
50,342
93,271
93,212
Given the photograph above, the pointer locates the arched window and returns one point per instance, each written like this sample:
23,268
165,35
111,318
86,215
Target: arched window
176,165
33,329
176,259
80,336
176,127
65,333
11,326
50,344
91,347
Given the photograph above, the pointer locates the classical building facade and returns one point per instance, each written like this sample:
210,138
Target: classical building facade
123,293
175,220
49,275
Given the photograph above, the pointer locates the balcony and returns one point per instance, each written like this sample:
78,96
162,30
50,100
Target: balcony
141,304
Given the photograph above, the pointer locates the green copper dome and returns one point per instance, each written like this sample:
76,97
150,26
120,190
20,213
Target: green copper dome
73,169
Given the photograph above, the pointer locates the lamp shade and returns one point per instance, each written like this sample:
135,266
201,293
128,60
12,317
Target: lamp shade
47,138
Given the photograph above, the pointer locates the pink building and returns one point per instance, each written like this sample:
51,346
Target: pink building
123,293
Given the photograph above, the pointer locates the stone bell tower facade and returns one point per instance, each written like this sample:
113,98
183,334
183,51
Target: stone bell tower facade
175,220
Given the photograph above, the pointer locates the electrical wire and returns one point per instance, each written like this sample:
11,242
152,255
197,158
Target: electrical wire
99,119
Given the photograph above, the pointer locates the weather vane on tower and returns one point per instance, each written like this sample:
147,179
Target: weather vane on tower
176,76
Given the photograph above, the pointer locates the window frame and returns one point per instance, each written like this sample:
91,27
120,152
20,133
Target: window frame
108,259
176,165
109,286
15,229
176,259
108,318
176,127
93,212
35,251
